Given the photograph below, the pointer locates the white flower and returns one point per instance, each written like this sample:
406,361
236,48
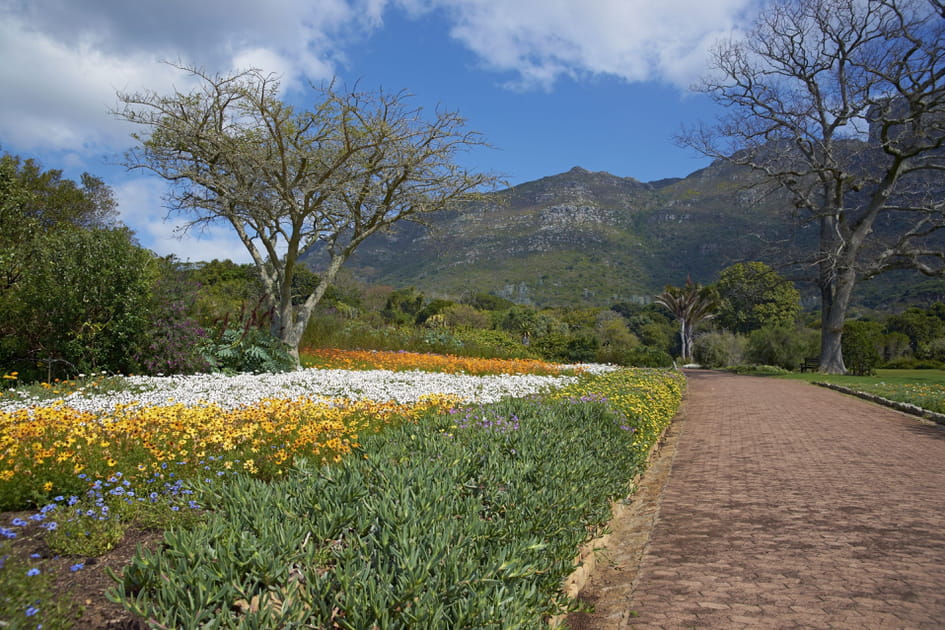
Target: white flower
244,389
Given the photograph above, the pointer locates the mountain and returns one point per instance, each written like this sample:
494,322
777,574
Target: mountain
587,238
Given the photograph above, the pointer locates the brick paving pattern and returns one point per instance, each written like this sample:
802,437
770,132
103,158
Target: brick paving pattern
792,506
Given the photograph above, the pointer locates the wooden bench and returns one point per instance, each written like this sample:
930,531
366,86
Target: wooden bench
810,364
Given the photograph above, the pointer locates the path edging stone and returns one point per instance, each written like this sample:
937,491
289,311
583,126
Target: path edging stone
624,509
908,408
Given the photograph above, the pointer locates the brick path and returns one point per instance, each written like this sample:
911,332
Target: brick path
787,506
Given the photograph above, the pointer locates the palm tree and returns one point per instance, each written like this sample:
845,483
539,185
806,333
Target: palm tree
690,305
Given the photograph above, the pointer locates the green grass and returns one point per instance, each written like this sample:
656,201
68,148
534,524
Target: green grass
924,388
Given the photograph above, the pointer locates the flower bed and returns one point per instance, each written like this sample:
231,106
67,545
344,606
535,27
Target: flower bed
463,520
254,423
374,359
480,507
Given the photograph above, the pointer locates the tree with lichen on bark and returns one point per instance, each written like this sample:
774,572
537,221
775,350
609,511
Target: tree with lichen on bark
840,106
287,180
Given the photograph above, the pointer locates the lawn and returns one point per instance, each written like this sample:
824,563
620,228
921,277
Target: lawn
923,388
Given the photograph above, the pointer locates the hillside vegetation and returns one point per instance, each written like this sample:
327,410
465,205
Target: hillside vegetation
594,239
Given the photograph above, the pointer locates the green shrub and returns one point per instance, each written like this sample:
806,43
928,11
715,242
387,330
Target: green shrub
646,356
911,363
719,349
247,349
492,344
781,347
862,346
552,346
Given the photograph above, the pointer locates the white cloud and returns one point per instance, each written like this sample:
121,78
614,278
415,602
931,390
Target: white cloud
140,203
543,40
64,61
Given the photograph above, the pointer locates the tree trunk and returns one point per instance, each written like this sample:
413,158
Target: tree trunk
835,298
290,322
683,339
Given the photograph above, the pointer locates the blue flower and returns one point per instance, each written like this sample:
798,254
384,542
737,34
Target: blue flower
31,611
77,567
19,522
33,571
7,533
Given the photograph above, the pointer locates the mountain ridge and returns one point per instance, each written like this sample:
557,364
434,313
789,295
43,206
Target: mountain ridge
584,238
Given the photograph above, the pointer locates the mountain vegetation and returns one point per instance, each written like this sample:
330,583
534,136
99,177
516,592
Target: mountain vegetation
593,239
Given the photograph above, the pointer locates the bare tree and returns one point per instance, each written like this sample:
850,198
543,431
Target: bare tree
286,180
840,104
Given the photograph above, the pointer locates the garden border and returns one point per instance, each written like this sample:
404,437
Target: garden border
908,408
585,563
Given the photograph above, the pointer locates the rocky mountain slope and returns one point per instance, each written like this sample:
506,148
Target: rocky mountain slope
583,238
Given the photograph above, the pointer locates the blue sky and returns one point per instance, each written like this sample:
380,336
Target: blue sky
552,84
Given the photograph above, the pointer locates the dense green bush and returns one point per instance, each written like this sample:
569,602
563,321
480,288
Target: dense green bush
647,356
719,349
911,363
81,307
492,344
470,520
862,344
781,347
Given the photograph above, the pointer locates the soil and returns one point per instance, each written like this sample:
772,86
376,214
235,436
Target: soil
85,587
613,576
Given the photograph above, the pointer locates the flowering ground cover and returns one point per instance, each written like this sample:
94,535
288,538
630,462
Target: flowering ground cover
190,425
931,397
164,450
922,388
374,359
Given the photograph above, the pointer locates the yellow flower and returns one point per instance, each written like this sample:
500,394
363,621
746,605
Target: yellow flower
48,486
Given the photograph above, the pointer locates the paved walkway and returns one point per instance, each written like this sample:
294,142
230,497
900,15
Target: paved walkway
784,506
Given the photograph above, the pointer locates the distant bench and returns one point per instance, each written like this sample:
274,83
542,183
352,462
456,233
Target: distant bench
810,364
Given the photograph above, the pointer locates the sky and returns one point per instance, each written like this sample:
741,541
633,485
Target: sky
551,84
